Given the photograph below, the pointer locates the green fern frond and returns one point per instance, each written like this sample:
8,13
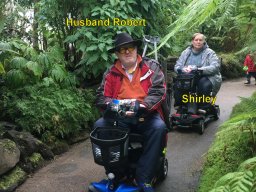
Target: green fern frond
221,189
55,55
250,101
43,60
235,182
253,189
226,179
58,73
243,121
246,105
227,9
248,165
243,182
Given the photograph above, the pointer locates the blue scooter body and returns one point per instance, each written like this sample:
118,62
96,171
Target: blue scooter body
105,186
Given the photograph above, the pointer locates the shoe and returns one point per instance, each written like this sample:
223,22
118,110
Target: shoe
146,187
247,83
201,111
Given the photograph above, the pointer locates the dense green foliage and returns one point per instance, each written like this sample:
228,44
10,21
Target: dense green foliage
41,55
23,65
48,111
234,143
229,25
231,65
39,94
233,27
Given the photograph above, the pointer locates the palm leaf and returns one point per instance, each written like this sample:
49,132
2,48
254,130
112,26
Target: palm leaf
17,63
15,77
196,13
35,68
5,47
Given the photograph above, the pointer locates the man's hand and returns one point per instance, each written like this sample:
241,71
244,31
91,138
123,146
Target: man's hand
129,113
140,107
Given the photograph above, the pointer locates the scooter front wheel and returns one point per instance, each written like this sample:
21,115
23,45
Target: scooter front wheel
92,189
163,170
201,127
217,113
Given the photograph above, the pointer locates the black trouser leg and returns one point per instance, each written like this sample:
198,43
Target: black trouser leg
204,87
178,97
253,74
248,77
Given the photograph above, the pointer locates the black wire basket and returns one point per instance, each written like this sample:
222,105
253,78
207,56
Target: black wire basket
184,82
110,146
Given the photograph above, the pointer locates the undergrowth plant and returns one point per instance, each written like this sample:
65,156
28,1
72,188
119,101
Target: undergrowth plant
234,143
243,180
23,65
48,111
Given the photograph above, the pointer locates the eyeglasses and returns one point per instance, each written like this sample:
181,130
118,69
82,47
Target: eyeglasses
122,50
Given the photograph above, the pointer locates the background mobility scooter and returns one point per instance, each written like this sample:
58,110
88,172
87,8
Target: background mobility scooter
188,115
118,150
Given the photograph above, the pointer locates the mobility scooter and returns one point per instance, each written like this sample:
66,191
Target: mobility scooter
118,150
188,115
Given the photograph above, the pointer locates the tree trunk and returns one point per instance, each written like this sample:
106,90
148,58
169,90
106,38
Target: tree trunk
35,28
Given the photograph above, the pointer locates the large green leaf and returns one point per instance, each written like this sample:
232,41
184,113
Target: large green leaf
44,60
92,48
35,68
6,47
18,63
15,77
92,58
1,68
101,46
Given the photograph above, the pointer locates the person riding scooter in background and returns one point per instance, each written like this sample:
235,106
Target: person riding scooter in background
199,55
250,67
132,77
